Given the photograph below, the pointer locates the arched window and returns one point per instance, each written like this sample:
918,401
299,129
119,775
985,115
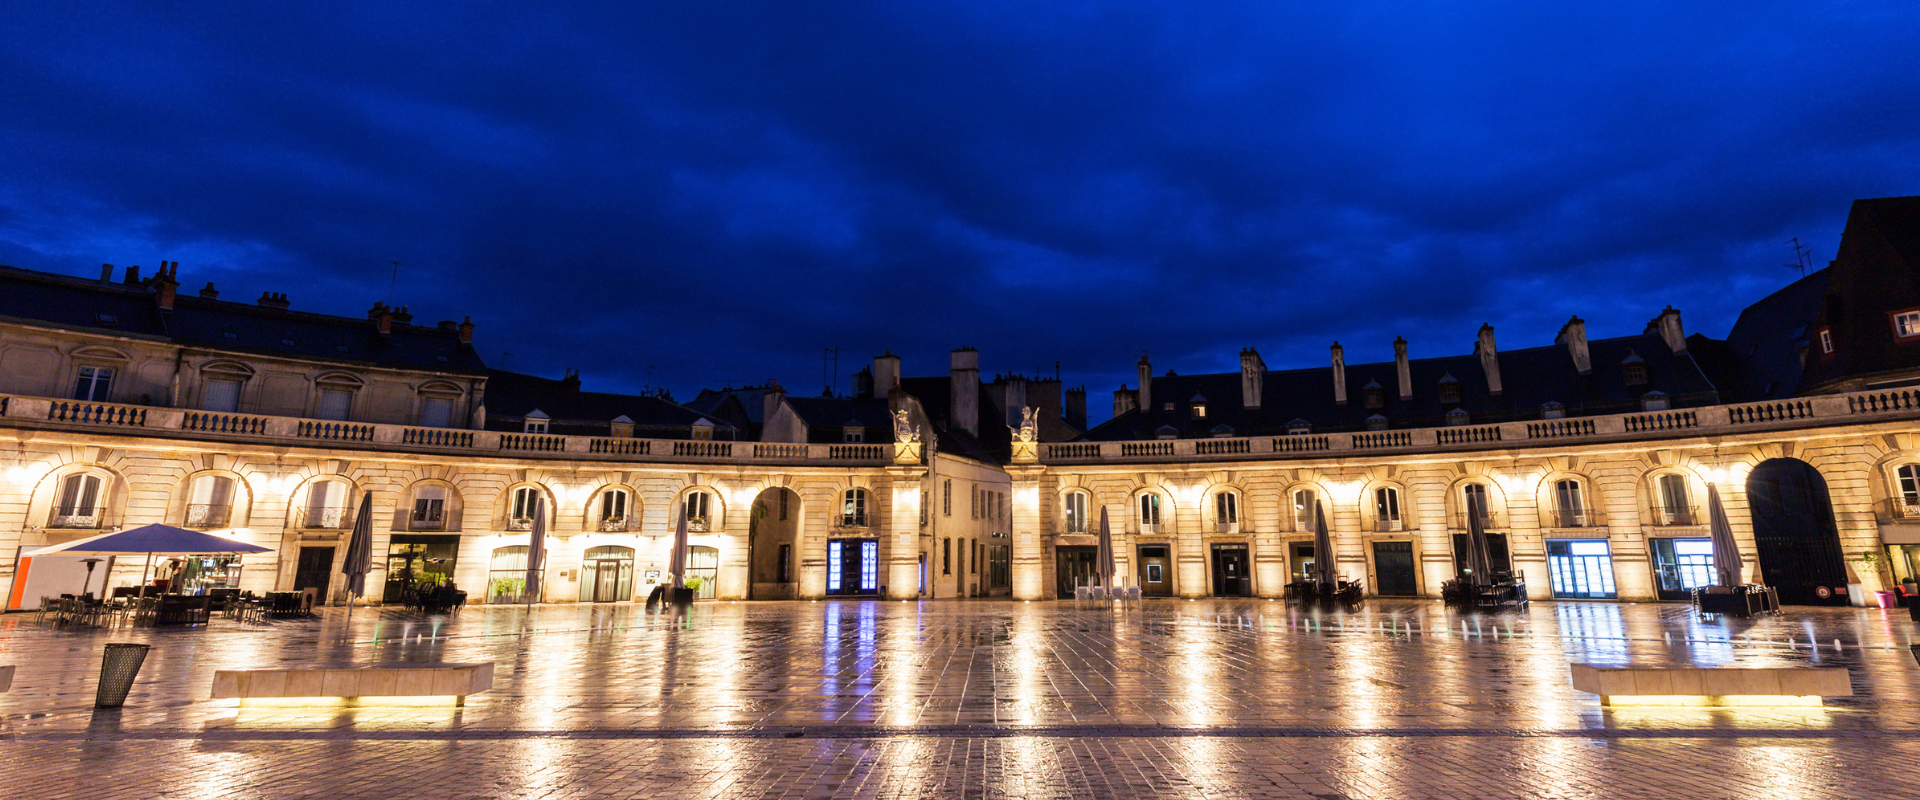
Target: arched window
1386,509
1473,503
1226,510
1671,504
429,508
606,574
698,505
326,505
210,502
614,510
335,400
1076,507
1569,504
1149,512
521,506
1304,502
853,508
81,503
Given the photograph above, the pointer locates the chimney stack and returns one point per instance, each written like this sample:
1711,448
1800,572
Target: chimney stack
1489,358
1400,365
1146,385
1574,336
1124,400
886,374
401,317
106,273
166,285
1339,374
209,293
1668,326
1253,378
1076,408
133,276
272,300
770,402
466,331
382,317
963,408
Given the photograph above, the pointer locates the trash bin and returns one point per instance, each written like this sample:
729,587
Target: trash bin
117,670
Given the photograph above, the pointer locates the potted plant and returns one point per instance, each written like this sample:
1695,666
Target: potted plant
1875,562
506,590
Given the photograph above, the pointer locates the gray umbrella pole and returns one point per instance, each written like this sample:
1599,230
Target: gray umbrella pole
143,577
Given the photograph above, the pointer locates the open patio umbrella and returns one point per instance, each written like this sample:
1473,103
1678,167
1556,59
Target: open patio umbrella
1103,560
153,539
1479,554
359,557
677,560
536,550
1323,571
1726,554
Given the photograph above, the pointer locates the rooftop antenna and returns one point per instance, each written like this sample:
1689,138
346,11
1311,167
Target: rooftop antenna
830,366
1801,256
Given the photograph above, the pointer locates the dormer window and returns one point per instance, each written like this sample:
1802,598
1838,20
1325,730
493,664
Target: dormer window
703,430
1376,397
1553,409
1167,432
1655,400
1298,425
621,427
1826,341
1906,324
1635,369
1458,416
536,421
1199,406
853,435
1449,388
1222,431
107,318
1376,423
1168,406
229,335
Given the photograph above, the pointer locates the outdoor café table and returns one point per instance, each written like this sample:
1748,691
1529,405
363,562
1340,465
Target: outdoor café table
177,609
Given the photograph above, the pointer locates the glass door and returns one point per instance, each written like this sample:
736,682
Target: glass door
1681,566
1581,568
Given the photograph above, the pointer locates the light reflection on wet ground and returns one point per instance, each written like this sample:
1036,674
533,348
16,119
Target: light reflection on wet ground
868,698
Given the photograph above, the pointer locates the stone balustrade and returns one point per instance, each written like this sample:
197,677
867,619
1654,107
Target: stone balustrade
190,423
1806,412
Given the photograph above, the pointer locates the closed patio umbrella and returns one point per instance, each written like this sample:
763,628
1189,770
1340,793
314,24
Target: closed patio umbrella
359,557
1479,554
1103,560
536,551
1323,570
1727,565
677,560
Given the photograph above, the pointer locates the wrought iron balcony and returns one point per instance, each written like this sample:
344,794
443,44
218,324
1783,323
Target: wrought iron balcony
208,515
77,517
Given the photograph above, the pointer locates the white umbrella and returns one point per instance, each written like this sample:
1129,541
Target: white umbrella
1726,553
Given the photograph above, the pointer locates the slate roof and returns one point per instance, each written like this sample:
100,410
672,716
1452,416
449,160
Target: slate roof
994,444
1875,273
511,396
828,417
743,407
1530,378
132,310
1761,357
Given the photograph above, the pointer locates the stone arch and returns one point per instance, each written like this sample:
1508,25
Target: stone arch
1795,533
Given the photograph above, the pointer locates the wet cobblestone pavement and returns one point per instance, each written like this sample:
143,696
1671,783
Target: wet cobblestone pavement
1210,698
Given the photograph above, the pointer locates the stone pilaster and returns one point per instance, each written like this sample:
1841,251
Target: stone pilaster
902,532
1029,539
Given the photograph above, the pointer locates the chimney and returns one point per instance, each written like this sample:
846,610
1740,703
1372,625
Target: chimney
886,373
1489,358
571,382
1146,385
133,276
106,273
401,317
272,300
1668,326
770,402
1076,408
1253,377
209,293
466,331
963,407
1124,401
1339,374
1574,336
1400,365
165,286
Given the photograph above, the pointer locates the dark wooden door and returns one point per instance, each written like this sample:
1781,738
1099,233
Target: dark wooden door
314,570
1393,569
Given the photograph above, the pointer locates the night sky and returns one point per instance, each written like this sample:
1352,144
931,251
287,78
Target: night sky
690,194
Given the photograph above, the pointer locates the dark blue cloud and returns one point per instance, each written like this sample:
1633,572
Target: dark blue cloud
717,191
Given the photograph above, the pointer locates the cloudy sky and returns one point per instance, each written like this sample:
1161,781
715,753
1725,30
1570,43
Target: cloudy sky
689,194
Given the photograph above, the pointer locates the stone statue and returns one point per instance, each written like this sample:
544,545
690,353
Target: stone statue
903,429
1026,432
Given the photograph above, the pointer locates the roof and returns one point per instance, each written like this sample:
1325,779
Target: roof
1761,357
515,395
122,309
1530,378
993,445
827,418
1875,273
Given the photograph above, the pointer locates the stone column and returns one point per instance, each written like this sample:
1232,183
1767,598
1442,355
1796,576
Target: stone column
902,531
1030,539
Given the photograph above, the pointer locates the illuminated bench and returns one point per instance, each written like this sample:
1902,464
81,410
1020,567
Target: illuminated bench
1712,686
381,685
6,677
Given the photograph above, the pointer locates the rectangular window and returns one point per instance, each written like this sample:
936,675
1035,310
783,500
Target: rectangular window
977,548
1673,501
1826,341
946,498
1303,508
946,556
924,499
1149,510
1474,497
1226,508
94,384
869,565
1910,484
1386,508
973,493
783,504
335,404
221,395
833,565
535,425
429,508
1077,512
696,508
436,412
1571,507
786,563
1906,323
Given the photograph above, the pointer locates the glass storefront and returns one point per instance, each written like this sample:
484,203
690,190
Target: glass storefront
1581,569
1905,560
197,574
1681,566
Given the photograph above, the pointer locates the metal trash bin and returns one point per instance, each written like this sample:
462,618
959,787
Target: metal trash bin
117,670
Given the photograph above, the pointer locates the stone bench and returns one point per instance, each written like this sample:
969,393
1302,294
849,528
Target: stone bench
6,677
1712,686
380,685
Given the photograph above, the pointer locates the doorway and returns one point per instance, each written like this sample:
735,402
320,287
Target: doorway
704,563
1299,560
853,566
1230,571
1794,531
1156,571
606,574
314,569
1393,570
1581,569
413,557
1074,567
1681,566
772,533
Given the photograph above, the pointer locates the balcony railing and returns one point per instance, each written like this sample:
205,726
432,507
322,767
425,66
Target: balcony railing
208,515
1489,520
520,524
1676,516
1388,525
696,524
77,517
853,520
1574,519
1897,509
613,524
435,521
329,517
